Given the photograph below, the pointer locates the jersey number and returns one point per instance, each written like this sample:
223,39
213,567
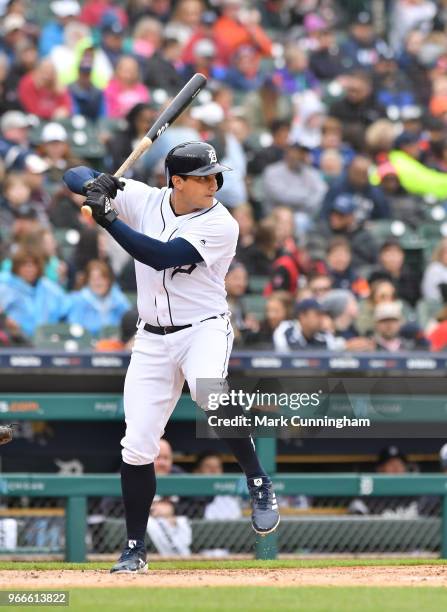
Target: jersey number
182,270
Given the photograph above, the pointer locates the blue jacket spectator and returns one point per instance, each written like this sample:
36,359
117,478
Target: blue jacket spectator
100,303
29,298
52,33
371,202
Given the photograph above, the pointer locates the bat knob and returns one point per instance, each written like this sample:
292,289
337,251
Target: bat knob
86,212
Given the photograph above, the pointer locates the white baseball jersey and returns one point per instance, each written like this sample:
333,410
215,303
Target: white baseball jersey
184,294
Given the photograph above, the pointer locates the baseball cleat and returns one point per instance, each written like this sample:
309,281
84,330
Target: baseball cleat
265,516
132,560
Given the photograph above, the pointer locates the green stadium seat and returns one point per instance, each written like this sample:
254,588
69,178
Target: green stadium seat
132,297
65,336
426,311
110,331
254,304
256,283
67,238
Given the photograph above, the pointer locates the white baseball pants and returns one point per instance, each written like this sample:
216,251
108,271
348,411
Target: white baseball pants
158,368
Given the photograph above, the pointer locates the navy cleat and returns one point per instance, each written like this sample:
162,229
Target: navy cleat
132,560
265,516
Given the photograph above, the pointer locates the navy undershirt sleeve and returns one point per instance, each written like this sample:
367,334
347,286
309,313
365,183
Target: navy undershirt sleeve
154,253
75,178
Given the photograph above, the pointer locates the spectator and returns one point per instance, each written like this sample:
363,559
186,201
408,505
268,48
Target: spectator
259,256
305,186
390,461
112,38
13,35
414,176
305,332
387,330
161,71
219,507
341,270
40,93
203,60
65,58
243,74
170,534
278,308
325,60
371,202
25,60
295,76
332,140
342,222
237,27
361,49
409,15
138,121
319,284
14,140
273,153
34,175
411,63
435,275
392,267
52,33
236,285
404,206
393,89
342,307
93,12
246,221
437,332
204,32
29,298
101,302
16,195
125,90
124,339
86,99
185,20
146,38
55,151
358,109
381,291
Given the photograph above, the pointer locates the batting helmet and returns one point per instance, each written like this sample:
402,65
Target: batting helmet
194,159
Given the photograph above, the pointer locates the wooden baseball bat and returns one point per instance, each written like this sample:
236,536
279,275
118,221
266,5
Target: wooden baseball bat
181,101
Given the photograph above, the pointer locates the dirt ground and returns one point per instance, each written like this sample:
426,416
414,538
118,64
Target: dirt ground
426,575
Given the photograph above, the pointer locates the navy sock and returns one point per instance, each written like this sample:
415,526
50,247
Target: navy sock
138,487
240,443
244,451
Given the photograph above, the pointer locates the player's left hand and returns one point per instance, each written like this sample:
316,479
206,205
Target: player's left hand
106,184
102,211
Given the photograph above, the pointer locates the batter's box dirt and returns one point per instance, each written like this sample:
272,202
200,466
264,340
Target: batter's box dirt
383,576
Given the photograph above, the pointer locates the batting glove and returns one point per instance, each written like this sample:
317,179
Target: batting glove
106,184
102,211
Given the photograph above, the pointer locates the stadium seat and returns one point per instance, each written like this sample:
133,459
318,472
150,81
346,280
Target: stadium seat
110,331
254,304
69,337
426,311
256,283
67,238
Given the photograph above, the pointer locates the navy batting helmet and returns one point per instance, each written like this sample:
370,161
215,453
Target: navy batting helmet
194,159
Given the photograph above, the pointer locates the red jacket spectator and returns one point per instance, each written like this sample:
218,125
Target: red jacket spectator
93,11
238,27
40,94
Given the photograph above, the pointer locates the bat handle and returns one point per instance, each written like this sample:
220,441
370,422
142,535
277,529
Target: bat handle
141,148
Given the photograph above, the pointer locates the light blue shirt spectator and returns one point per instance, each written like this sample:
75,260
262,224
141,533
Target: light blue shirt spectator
94,312
32,305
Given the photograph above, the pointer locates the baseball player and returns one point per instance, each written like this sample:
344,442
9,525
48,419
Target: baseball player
182,240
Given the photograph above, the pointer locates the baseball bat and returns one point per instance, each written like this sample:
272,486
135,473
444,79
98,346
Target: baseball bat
181,101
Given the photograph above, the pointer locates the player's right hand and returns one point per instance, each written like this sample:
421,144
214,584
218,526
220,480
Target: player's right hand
107,184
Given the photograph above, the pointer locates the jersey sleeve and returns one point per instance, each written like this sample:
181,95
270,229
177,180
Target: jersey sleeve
213,238
131,203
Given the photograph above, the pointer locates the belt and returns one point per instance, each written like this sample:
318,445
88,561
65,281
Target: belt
170,329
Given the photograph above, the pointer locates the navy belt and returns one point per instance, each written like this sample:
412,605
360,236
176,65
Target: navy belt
170,329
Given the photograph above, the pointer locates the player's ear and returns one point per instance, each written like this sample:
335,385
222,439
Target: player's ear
178,182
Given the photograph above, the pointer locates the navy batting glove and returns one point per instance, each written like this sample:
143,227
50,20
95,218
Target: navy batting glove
106,184
102,211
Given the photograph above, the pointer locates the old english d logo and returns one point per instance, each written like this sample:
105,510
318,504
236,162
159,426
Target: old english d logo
182,270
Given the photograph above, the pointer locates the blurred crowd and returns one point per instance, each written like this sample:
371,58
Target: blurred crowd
333,116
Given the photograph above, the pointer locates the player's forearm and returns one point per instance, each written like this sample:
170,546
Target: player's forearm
151,252
75,178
